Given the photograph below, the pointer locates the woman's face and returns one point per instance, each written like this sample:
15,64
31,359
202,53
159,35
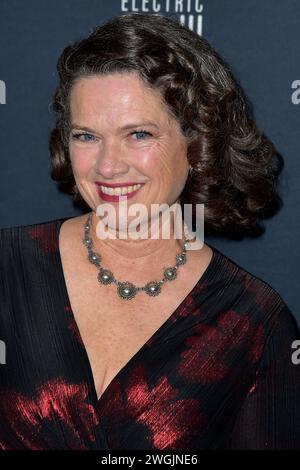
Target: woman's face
122,135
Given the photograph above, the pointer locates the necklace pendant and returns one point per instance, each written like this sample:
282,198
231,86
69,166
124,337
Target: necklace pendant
105,276
170,274
181,259
152,288
126,290
87,241
94,258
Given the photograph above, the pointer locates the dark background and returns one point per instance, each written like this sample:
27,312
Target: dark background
259,39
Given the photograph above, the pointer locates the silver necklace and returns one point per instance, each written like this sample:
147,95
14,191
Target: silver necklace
127,290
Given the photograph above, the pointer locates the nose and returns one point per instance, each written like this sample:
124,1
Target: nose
111,160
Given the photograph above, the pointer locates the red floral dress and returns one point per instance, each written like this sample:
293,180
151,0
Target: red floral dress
217,374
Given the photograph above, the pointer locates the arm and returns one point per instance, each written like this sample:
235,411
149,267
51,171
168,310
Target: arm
270,415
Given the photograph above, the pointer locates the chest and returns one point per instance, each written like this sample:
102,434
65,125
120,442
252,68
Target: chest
114,330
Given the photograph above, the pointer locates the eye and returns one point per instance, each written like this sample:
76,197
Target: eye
83,137
141,134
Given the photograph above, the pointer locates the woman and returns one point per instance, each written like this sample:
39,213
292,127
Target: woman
100,354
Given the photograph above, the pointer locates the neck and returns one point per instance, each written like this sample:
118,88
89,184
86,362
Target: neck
153,252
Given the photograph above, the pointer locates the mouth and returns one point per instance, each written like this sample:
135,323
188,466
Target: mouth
113,193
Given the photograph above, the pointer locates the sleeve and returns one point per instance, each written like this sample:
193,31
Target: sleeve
270,415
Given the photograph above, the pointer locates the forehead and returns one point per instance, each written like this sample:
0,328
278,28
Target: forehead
115,94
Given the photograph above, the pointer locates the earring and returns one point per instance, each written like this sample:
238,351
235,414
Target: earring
190,171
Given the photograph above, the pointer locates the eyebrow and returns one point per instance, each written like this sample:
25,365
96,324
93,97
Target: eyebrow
130,125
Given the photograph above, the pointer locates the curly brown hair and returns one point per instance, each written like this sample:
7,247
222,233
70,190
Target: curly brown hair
235,167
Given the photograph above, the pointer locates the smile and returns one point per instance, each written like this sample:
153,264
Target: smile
114,193
120,191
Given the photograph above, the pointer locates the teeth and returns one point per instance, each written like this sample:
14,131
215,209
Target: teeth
120,190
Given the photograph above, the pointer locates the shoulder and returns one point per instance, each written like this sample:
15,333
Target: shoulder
9,231
249,295
42,234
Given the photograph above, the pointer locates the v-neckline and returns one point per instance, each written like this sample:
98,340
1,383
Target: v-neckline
153,338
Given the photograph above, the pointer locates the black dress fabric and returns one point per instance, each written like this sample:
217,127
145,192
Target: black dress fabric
217,374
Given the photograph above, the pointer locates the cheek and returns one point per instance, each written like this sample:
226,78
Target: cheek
166,162
81,160
156,159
